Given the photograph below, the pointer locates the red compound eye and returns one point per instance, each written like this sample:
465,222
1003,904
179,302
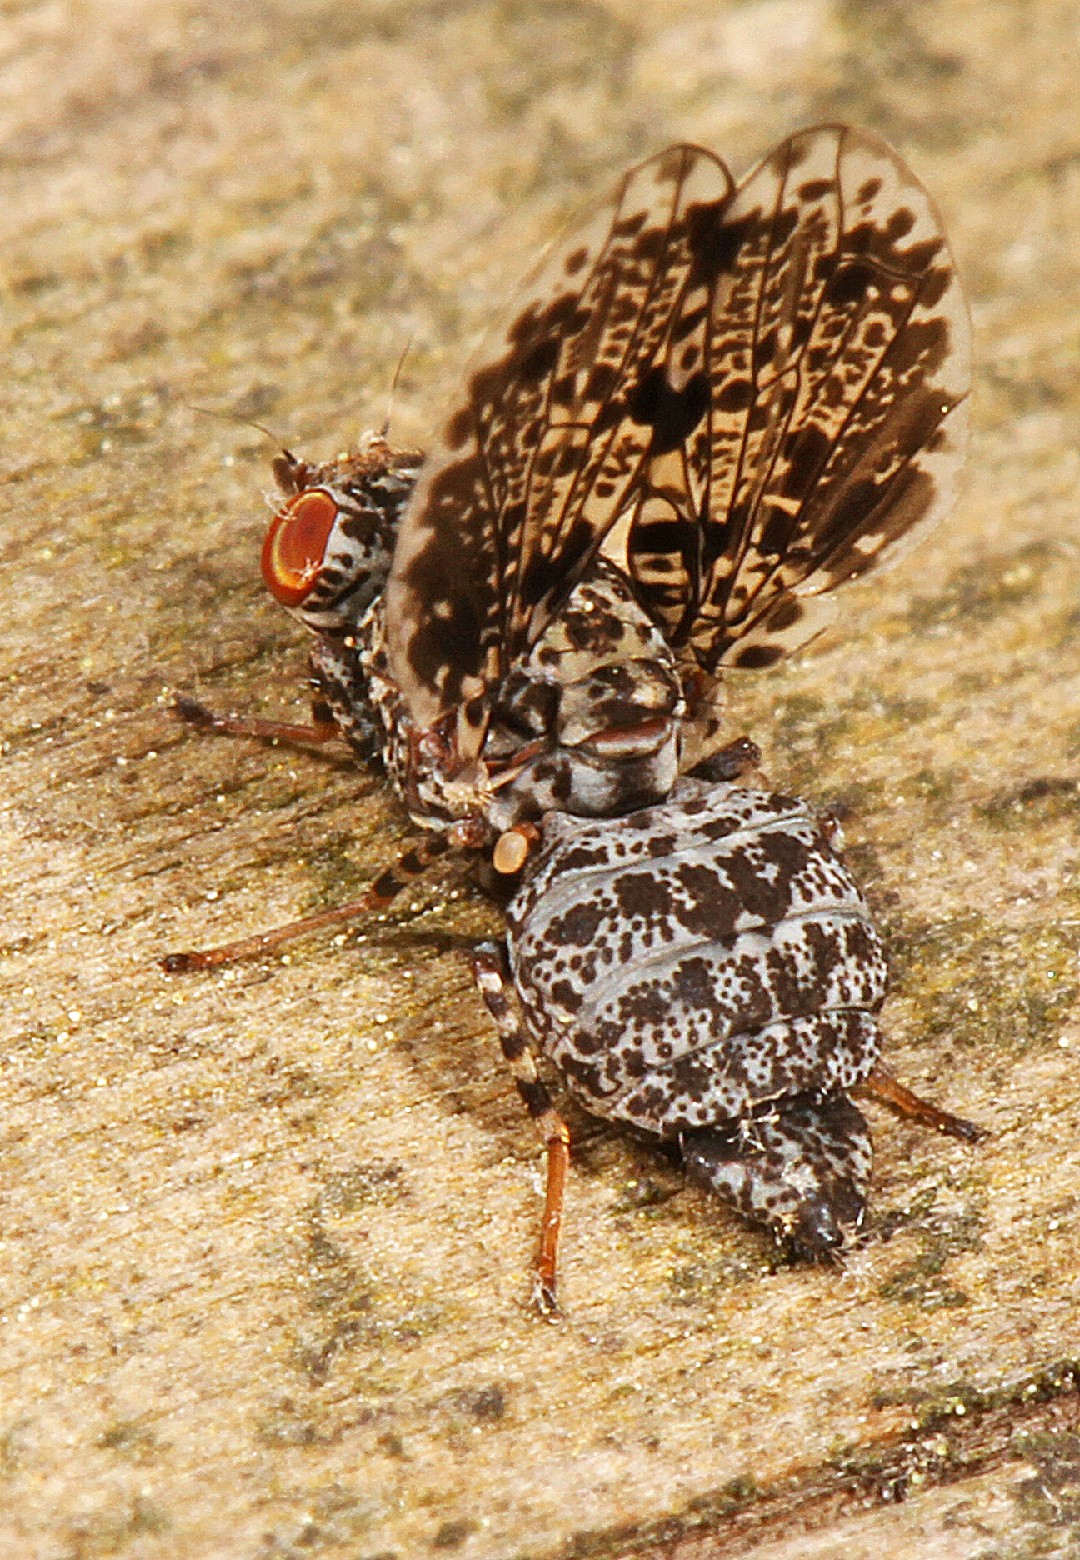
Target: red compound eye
295,545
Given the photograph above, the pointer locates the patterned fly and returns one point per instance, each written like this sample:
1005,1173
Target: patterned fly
714,403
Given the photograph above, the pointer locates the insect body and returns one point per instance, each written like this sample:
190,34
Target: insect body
715,403
706,970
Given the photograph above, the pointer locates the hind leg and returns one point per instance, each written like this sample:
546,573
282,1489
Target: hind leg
466,834
881,1086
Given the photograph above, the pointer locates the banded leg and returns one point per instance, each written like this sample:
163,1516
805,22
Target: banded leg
494,982
323,727
468,834
880,1085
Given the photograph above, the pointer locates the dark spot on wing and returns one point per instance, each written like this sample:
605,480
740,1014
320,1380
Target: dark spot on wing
849,283
735,396
539,361
713,243
544,577
754,657
671,414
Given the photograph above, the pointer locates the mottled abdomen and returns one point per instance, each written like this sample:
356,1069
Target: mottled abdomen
707,970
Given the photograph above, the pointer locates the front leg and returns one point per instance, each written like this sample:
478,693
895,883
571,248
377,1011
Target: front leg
340,704
494,982
323,727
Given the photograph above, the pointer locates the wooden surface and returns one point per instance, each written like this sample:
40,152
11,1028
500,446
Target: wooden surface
265,1233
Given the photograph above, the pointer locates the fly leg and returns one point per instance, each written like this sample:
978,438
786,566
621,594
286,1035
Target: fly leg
494,982
468,834
880,1085
323,726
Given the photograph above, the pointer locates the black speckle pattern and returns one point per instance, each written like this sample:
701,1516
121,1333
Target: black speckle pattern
799,1165
696,967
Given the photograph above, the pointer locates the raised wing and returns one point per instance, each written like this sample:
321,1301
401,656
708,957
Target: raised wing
837,352
554,436
764,384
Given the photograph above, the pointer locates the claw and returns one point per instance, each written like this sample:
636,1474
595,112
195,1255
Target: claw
194,713
545,1301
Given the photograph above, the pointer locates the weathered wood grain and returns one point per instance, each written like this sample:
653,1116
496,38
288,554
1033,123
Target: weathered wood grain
265,1235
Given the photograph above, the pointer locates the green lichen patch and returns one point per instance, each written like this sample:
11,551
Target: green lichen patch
1051,1495
808,731
12,1448
980,592
983,986
450,1535
131,1439
118,1531
356,1315
955,1430
818,747
937,789
708,1278
343,1192
941,1234
336,1519
114,424
940,1406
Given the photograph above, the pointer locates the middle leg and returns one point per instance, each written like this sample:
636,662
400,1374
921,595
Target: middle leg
493,979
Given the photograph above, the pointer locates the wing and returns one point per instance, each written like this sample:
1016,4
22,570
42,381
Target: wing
741,396
553,439
837,353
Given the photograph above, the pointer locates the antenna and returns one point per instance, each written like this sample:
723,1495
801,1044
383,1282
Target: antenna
406,349
243,422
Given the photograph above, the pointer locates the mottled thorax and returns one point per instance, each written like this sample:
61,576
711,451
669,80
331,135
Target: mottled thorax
327,557
599,697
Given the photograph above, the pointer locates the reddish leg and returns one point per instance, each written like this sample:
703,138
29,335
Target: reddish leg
493,979
469,834
880,1085
323,727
